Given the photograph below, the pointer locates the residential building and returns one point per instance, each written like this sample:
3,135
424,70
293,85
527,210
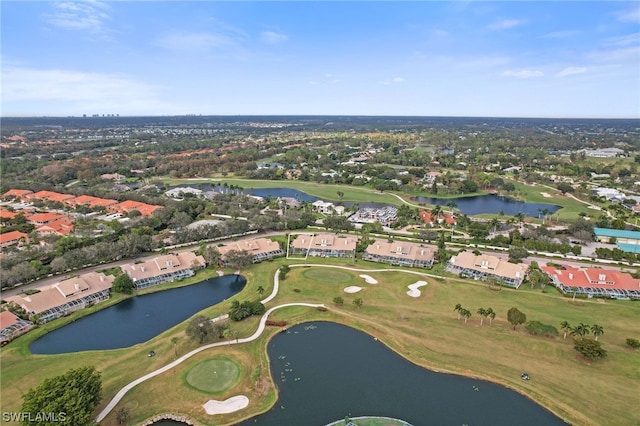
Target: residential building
260,248
130,205
324,245
483,266
385,215
16,193
13,238
400,253
12,326
59,227
442,217
66,296
603,152
91,202
627,241
49,196
594,282
326,207
163,269
46,218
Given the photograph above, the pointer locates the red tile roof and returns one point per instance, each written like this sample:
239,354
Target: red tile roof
12,236
16,193
593,277
45,218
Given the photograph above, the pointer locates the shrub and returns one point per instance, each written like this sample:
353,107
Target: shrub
634,343
539,329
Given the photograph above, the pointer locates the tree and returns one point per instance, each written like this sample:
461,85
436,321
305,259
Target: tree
466,314
483,314
589,348
358,302
597,330
338,300
516,254
515,317
200,329
492,315
122,415
174,340
238,259
564,187
458,308
633,343
123,284
212,256
580,330
73,395
260,290
566,327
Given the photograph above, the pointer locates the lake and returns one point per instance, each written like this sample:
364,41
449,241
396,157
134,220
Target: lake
326,371
137,319
490,203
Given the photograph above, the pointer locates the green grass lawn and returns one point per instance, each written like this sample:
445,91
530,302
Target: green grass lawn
425,330
213,375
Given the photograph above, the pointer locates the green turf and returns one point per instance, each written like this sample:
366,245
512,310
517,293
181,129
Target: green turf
213,375
327,275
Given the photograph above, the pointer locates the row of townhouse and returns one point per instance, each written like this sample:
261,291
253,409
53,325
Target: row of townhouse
594,282
324,245
483,266
110,205
78,292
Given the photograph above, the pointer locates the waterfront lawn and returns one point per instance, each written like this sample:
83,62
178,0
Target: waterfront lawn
425,330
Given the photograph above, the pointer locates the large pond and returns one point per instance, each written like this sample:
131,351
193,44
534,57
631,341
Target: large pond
137,319
490,203
326,371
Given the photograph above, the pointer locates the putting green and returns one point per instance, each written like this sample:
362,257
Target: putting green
327,275
213,375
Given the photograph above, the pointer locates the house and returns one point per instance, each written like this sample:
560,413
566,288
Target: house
324,245
12,326
163,269
594,282
6,216
483,266
91,202
16,193
429,219
46,218
603,152
59,227
130,205
324,207
49,196
13,238
260,248
66,296
400,253
180,192
385,215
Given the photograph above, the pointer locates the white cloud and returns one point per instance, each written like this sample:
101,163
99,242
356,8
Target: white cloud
395,80
86,15
271,37
625,40
523,73
571,71
505,24
629,15
77,90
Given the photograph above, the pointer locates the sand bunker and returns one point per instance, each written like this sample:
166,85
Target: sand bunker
232,404
545,194
413,288
369,279
352,289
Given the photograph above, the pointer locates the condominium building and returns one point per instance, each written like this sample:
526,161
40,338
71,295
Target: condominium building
324,245
400,253
260,248
163,269
483,266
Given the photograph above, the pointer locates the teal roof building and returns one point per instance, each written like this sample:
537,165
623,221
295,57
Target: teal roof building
627,241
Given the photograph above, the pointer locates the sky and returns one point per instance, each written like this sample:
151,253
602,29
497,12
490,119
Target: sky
420,58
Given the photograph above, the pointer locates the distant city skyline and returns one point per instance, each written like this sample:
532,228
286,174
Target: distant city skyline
478,59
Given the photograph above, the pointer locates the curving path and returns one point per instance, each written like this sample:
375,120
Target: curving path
116,399
263,321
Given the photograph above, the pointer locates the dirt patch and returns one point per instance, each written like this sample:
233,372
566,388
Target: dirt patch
262,387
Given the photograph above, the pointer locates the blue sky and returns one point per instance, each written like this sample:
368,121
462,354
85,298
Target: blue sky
480,58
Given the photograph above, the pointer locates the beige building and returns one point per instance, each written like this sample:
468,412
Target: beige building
66,296
11,326
400,253
324,245
260,248
163,269
481,267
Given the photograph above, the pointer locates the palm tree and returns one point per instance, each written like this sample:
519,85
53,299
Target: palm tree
520,217
452,205
458,308
597,330
580,330
483,314
494,223
566,327
491,314
260,290
174,340
435,212
466,314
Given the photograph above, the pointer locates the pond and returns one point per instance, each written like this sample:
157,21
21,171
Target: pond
490,203
326,371
137,319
